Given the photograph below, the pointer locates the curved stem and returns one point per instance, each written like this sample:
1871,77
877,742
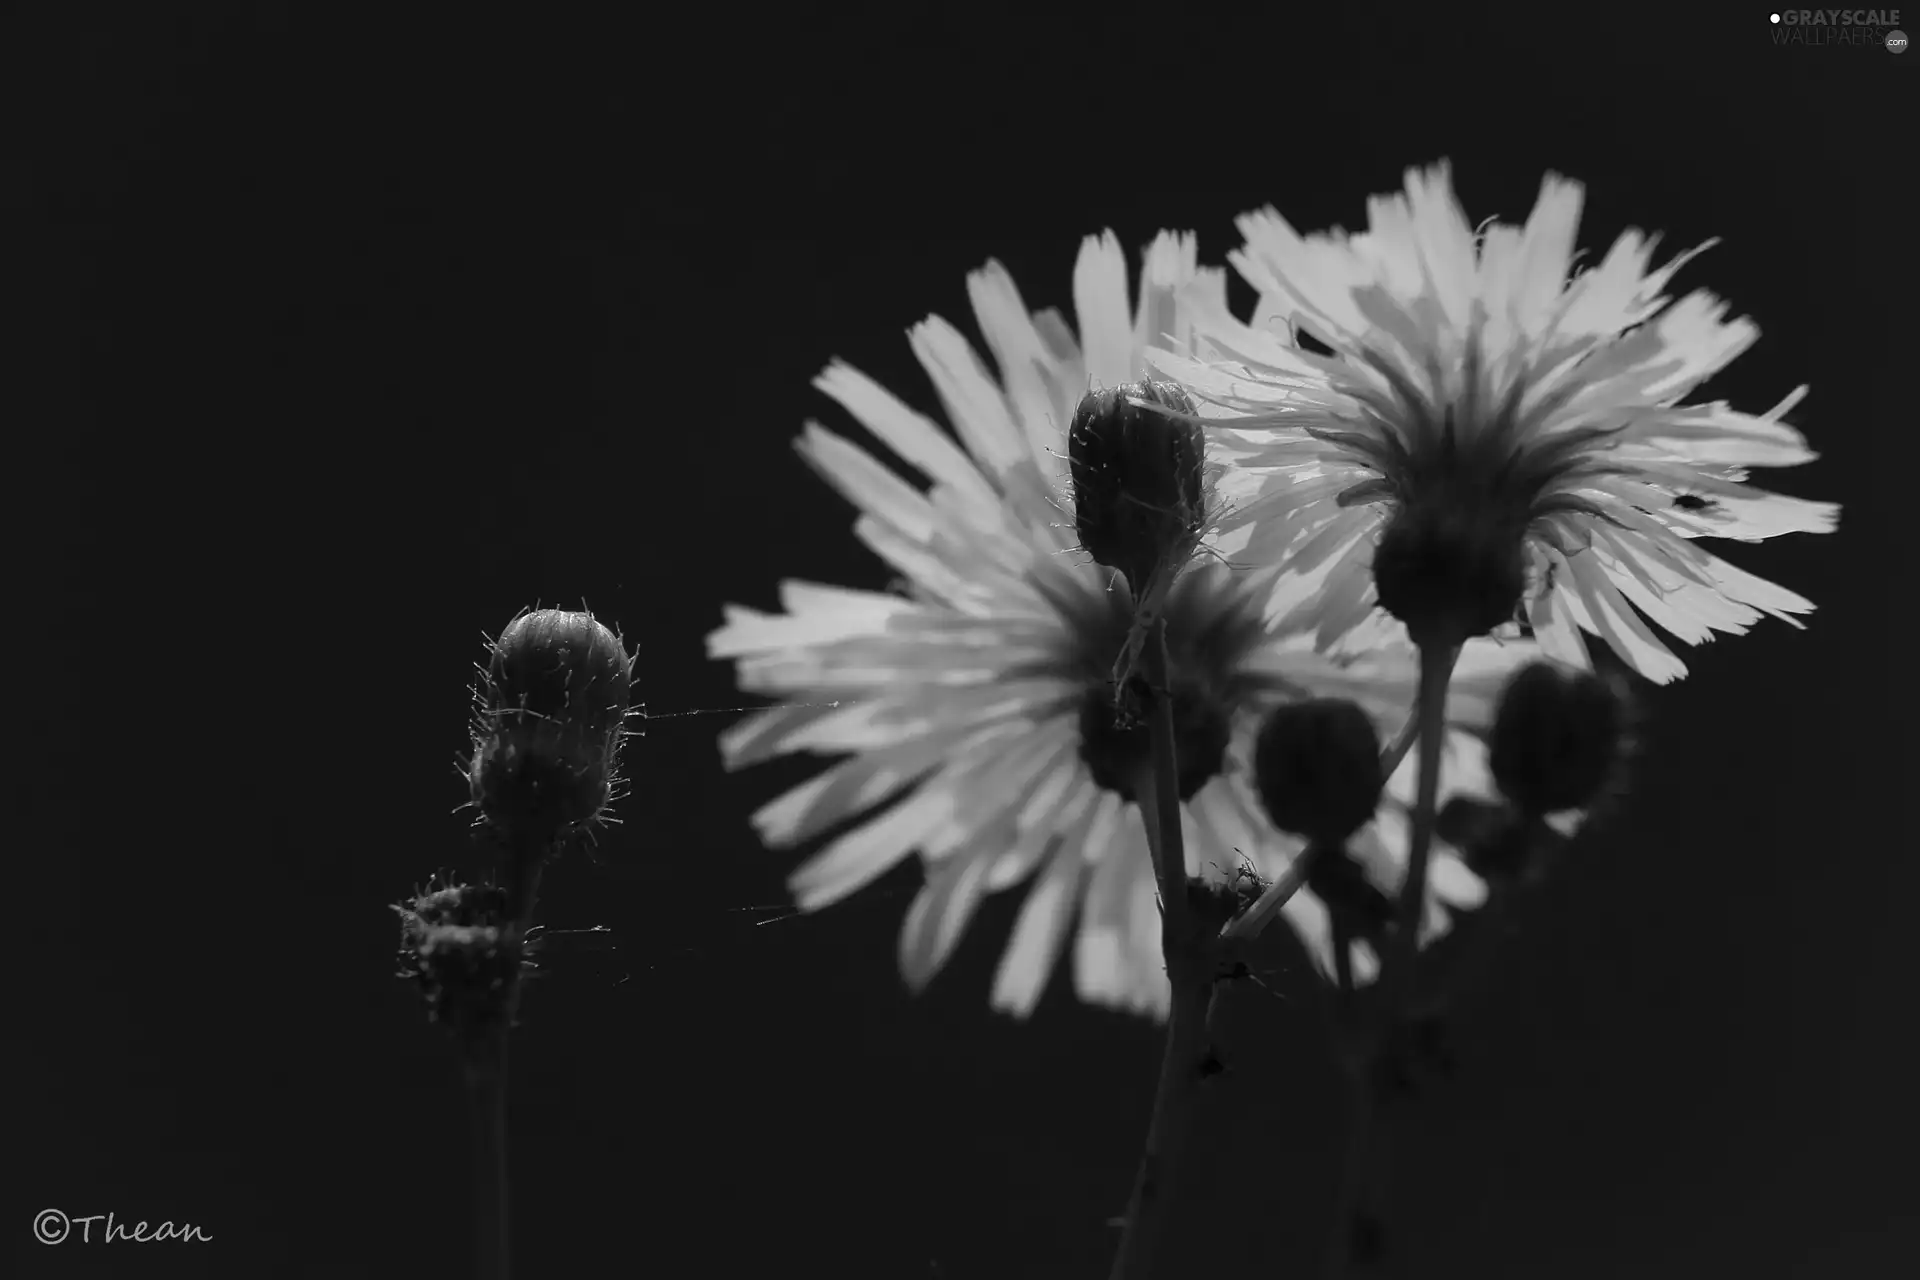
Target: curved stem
1248,924
1190,975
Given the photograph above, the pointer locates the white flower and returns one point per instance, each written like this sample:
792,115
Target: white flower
1473,375
980,701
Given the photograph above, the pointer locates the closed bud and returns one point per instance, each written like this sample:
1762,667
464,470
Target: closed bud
1316,767
1495,842
551,710
1350,894
1448,570
1558,738
1137,491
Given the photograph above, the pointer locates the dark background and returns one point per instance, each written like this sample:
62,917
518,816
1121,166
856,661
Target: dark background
346,340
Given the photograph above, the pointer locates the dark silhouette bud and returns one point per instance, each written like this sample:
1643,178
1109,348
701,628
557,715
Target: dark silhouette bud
1137,473
459,948
551,709
1493,840
1343,884
1558,738
1316,767
1448,571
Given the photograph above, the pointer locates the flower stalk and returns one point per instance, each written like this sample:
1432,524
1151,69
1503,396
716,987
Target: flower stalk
1191,960
486,1069
1368,1065
1344,1226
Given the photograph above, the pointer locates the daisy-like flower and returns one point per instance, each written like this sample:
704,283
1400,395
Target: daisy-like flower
976,709
1492,440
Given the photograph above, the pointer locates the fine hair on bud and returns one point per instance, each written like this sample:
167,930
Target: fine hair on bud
458,947
1316,768
550,713
1559,737
1137,477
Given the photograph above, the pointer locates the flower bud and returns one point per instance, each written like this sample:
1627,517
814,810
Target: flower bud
1558,738
458,947
1343,884
1316,766
1495,842
552,704
1448,571
1137,492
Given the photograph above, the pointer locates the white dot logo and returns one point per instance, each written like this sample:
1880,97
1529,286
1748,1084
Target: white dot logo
1774,18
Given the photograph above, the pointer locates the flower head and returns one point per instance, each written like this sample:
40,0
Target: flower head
1138,483
1491,438
1559,738
550,710
1317,768
975,711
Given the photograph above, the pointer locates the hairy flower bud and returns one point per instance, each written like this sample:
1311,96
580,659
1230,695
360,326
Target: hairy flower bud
551,709
1137,492
1448,570
1558,737
1316,767
459,948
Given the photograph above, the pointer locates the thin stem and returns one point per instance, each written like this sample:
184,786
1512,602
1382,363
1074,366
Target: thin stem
487,1087
1396,751
1436,671
1190,975
1160,804
487,1073
1360,1094
1248,924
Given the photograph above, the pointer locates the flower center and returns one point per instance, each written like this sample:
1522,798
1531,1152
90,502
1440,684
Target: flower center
1116,744
1210,627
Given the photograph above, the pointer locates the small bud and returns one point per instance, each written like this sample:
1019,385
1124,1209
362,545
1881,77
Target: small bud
552,704
1316,766
1448,571
1558,738
458,947
1493,840
1342,883
1137,489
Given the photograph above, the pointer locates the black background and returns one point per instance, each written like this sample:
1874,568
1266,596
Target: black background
346,339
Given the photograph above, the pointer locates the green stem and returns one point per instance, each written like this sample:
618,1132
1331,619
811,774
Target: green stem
1190,975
